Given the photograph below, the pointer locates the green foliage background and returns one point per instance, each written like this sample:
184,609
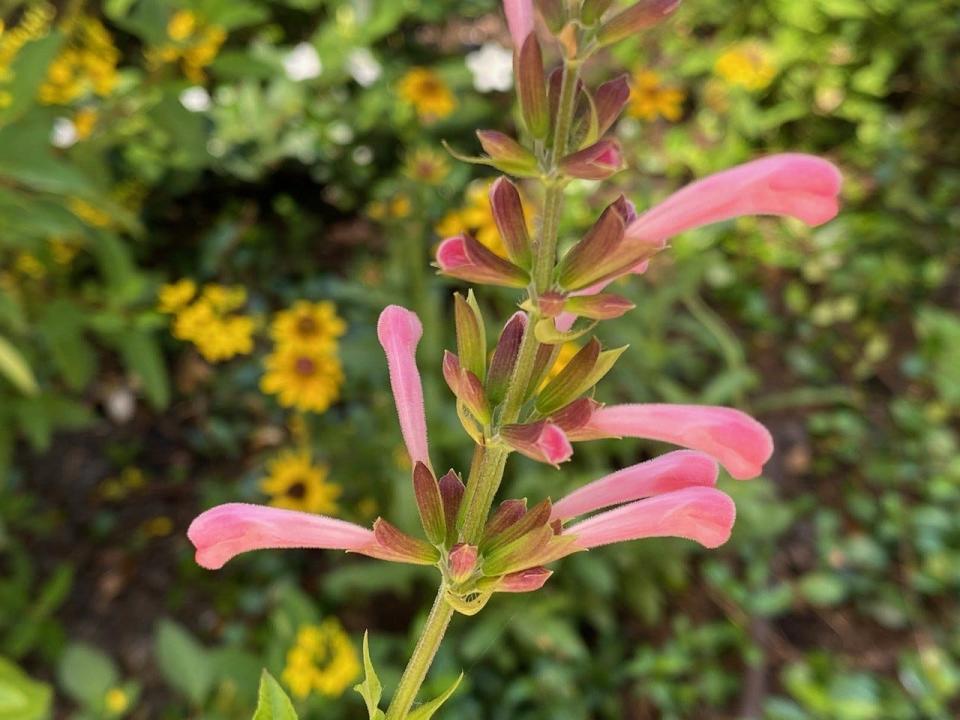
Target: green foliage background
836,598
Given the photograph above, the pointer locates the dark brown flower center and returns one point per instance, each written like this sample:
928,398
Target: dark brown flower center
305,366
306,326
297,490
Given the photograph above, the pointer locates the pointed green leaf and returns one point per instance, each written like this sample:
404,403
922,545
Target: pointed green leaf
370,689
272,701
15,368
426,711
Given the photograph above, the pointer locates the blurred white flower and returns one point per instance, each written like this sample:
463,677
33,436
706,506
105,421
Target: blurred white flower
362,155
120,404
64,133
195,99
363,66
340,133
491,67
302,63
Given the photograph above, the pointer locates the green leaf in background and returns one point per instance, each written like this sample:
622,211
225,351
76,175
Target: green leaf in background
22,698
370,689
62,325
141,353
183,661
426,711
27,72
15,368
272,701
86,674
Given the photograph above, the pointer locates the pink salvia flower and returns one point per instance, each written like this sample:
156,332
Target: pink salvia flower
702,514
667,473
226,531
737,441
399,331
790,184
519,19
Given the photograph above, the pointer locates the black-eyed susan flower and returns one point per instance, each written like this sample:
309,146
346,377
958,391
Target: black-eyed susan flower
650,98
303,377
294,482
429,95
311,324
426,165
210,322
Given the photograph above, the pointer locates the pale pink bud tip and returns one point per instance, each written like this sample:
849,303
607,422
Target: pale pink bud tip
790,184
399,331
704,515
519,19
738,442
524,581
667,473
225,531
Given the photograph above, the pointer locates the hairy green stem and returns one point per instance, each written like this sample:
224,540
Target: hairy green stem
486,472
427,646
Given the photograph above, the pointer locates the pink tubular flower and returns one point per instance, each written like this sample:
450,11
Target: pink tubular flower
519,19
667,473
736,440
399,332
226,531
790,184
702,514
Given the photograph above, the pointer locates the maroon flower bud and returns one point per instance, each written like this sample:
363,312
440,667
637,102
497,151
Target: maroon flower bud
466,387
524,580
575,415
604,306
505,357
451,492
531,87
463,257
645,14
586,260
597,162
427,493
506,514
541,441
394,544
507,209
610,100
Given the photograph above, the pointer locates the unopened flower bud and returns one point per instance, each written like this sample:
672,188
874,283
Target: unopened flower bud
597,162
507,155
551,303
451,493
644,14
541,441
525,580
471,334
603,306
505,357
463,257
507,209
590,258
610,99
532,87
394,544
427,493
461,562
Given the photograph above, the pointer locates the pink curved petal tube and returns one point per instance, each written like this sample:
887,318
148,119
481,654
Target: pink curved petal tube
399,331
519,19
702,514
737,441
667,473
792,184
225,531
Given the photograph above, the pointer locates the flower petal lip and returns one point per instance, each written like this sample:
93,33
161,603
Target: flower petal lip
667,473
223,532
737,441
519,19
702,514
399,331
789,184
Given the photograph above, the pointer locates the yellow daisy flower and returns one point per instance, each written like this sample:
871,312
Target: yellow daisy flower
650,98
427,93
748,65
306,323
295,483
173,297
306,378
116,701
426,165
322,660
